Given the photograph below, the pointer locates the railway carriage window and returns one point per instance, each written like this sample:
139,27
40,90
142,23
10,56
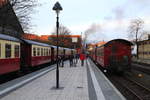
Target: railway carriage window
34,51
7,50
17,51
41,51
46,52
38,51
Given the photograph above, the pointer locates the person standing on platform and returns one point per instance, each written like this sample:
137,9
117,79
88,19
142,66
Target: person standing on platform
59,60
76,57
62,60
82,58
71,60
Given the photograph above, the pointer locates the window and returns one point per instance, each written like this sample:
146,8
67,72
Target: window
7,50
34,51
38,51
17,51
41,51
46,52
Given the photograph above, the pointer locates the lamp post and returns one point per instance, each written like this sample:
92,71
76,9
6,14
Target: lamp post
74,41
57,7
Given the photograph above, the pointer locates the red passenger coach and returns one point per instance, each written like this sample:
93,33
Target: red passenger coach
9,54
114,55
35,53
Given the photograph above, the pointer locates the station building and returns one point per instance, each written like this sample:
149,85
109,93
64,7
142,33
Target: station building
144,49
64,40
9,22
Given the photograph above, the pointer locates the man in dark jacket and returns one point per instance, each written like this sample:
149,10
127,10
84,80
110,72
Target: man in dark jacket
71,60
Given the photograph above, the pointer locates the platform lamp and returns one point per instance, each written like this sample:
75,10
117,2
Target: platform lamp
57,7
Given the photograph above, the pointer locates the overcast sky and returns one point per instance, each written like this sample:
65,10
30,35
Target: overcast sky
112,16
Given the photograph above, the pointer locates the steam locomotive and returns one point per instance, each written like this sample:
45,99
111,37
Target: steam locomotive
114,55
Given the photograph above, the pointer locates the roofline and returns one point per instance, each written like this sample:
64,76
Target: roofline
116,40
119,40
36,43
62,35
143,41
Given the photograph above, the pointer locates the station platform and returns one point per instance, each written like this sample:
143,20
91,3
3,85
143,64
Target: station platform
76,83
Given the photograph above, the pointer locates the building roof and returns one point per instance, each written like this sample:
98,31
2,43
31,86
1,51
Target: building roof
143,41
12,23
101,43
61,35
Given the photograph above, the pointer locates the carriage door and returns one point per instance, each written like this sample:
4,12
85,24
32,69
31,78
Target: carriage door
52,54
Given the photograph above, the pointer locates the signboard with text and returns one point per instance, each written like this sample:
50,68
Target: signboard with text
74,39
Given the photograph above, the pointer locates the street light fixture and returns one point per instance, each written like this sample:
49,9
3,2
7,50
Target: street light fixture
57,7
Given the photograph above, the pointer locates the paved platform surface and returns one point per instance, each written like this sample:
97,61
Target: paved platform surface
73,83
109,92
76,83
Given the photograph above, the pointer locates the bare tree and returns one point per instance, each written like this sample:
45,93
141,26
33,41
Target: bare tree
135,29
63,30
15,15
144,35
23,10
63,39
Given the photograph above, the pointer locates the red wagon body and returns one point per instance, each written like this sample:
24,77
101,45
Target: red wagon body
9,54
35,53
115,54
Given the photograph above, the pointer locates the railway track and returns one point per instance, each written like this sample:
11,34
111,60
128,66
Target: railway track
131,89
141,68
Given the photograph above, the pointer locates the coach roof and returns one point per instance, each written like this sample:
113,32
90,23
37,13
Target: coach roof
119,40
9,38
36,43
